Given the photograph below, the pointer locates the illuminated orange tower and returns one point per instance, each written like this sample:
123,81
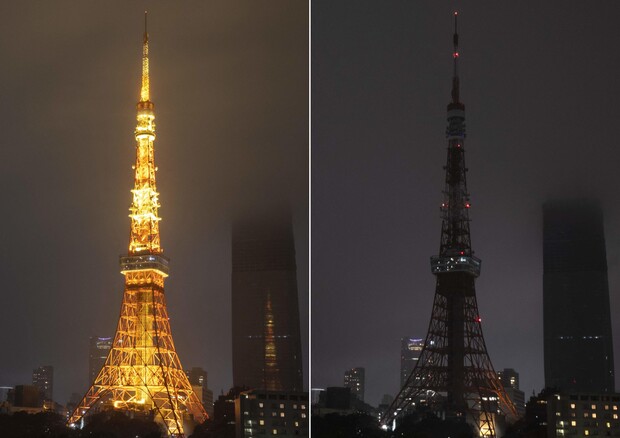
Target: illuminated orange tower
143,372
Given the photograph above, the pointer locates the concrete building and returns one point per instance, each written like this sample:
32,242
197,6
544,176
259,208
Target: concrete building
269,413
583,414
98,351
355,379
410,349
43,380
198,379
510,381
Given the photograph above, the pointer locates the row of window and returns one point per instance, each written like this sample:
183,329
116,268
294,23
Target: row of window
593,407
282,406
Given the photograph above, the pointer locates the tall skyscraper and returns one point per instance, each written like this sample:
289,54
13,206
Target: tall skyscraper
266,339
577,322
410,349
355,379
43,380
143,371
97,354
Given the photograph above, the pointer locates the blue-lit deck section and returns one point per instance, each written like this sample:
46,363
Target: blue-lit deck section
460,263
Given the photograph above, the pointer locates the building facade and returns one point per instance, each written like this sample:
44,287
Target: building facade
272,413
583,414
266,332
98,351
510,381
410,349
577,322
43,380
198,379
355,380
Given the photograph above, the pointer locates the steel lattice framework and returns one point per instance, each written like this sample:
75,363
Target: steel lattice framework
143,371
454,376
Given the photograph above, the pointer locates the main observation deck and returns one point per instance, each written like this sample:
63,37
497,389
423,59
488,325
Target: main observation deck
145,262
456,263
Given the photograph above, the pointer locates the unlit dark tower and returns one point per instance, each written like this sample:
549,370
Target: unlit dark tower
454,373
577,323
266,339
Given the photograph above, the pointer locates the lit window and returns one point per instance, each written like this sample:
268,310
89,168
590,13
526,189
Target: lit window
275,432
295,406
303,415
573,423
297,424
615,416
615,407
593,415
260,405
586,432
282,414
281,405
261,422
593,406
606,407
586,415
572,405
608,424
303,406
273,414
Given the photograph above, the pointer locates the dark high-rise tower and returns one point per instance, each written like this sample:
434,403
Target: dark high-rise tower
266,339
454,374
577,323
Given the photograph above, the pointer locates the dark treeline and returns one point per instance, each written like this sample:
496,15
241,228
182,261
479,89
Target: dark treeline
51,425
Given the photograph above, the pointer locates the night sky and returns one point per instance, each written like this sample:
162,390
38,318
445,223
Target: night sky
540,82
230,86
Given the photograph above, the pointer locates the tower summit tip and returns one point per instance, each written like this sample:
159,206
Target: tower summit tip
144,90
455,76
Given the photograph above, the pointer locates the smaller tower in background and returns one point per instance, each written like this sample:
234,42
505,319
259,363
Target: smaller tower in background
355,379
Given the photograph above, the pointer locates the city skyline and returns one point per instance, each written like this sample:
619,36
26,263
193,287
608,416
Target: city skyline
69,153
539,86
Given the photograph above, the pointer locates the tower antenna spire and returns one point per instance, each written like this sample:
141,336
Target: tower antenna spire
455,56
145,89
